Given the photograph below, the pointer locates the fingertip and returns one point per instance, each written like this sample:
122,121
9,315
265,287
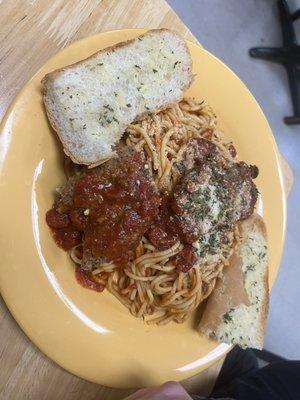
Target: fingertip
173,387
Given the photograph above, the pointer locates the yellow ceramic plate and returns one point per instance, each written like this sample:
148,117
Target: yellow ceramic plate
92,334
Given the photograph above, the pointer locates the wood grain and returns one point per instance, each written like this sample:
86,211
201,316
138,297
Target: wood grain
31,32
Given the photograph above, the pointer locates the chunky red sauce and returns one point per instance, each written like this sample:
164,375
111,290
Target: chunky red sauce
112,207
64,233
165,231
87,280
121,201
186,258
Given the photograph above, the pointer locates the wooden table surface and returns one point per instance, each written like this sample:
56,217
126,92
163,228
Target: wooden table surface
31,32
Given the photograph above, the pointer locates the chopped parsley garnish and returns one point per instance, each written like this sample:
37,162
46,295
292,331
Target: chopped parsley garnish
105,119
212,240
262,255
250,267
108,107
227,317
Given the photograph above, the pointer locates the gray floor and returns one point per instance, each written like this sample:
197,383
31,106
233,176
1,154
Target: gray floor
224,25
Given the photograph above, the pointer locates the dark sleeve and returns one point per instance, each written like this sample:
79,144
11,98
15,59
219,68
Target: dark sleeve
196,397
278,381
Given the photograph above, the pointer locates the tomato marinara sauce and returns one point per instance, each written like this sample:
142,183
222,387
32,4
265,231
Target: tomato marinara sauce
112,207
121,202
165,232
88,280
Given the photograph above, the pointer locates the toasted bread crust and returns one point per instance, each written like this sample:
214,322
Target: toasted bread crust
54,74
256,221
229,295
49,100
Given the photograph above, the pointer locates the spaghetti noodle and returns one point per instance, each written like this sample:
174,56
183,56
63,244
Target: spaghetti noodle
164,137
151,286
